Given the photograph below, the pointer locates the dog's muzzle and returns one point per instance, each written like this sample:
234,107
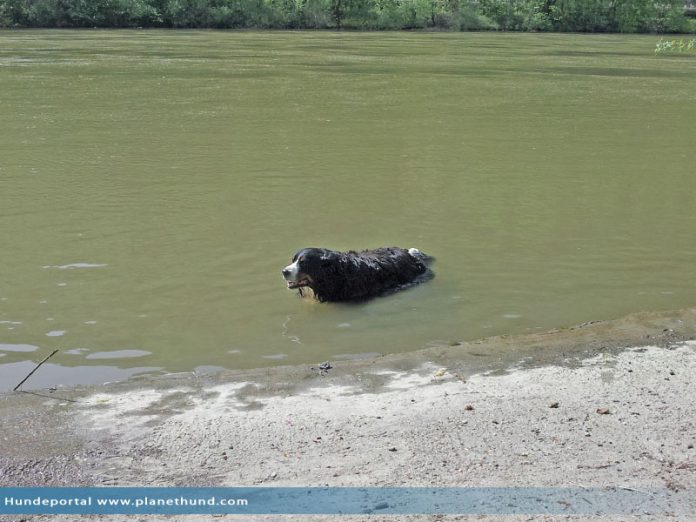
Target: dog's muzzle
291,274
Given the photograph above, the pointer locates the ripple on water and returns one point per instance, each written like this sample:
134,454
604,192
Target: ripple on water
56,333
76,265
275,356
118,354
207,370
77,351
356,356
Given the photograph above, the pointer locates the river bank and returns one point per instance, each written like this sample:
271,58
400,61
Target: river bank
597,405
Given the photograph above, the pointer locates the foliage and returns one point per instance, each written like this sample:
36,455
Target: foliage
105,13
626,16
517,15
658,16
676,46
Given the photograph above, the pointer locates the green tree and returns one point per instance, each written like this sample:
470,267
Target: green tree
580,15
519,15
316,14
111,13
510,15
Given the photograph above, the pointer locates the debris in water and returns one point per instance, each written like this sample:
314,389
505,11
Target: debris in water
323,368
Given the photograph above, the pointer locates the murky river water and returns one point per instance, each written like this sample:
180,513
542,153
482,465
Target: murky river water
153,183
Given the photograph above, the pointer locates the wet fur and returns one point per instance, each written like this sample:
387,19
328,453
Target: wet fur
344,276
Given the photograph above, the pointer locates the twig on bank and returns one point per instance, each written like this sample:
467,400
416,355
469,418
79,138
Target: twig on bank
37,367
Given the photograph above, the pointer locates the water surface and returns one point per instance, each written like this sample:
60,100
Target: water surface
153,184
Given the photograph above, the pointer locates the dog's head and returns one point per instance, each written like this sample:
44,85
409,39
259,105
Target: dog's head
307,267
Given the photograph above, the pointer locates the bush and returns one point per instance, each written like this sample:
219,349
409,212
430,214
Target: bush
671,18
470,19
580,16
518,15
315,14
661,16
109,13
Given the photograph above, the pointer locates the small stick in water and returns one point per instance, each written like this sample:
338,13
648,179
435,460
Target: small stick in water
37,367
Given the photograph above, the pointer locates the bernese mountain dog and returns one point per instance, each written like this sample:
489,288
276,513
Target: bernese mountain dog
345,276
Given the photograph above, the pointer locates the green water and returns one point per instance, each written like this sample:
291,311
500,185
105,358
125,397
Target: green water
551,175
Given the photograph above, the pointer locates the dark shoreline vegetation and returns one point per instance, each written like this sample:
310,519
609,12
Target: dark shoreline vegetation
626,16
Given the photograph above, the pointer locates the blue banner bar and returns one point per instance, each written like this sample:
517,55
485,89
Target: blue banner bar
344,501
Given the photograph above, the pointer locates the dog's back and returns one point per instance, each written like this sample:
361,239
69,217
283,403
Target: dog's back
390,266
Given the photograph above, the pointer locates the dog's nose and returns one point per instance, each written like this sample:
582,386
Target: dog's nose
286,272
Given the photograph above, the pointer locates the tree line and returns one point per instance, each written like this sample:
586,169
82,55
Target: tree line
629,16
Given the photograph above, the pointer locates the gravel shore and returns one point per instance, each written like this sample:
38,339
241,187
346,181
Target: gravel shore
611,406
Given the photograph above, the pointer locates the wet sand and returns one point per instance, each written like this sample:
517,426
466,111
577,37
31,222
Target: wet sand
601,404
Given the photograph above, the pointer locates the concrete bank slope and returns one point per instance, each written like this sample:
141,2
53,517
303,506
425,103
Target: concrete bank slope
611,405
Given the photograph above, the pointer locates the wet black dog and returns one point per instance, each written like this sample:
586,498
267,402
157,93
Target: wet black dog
342,276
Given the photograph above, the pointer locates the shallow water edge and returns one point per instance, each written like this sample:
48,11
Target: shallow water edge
490,356
613,409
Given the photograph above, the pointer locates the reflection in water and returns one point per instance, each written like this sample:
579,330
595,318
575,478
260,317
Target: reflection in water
77,351
75,265
55,333
276,356
18,348
53,375
164,189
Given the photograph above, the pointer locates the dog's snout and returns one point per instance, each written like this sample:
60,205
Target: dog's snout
290,272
